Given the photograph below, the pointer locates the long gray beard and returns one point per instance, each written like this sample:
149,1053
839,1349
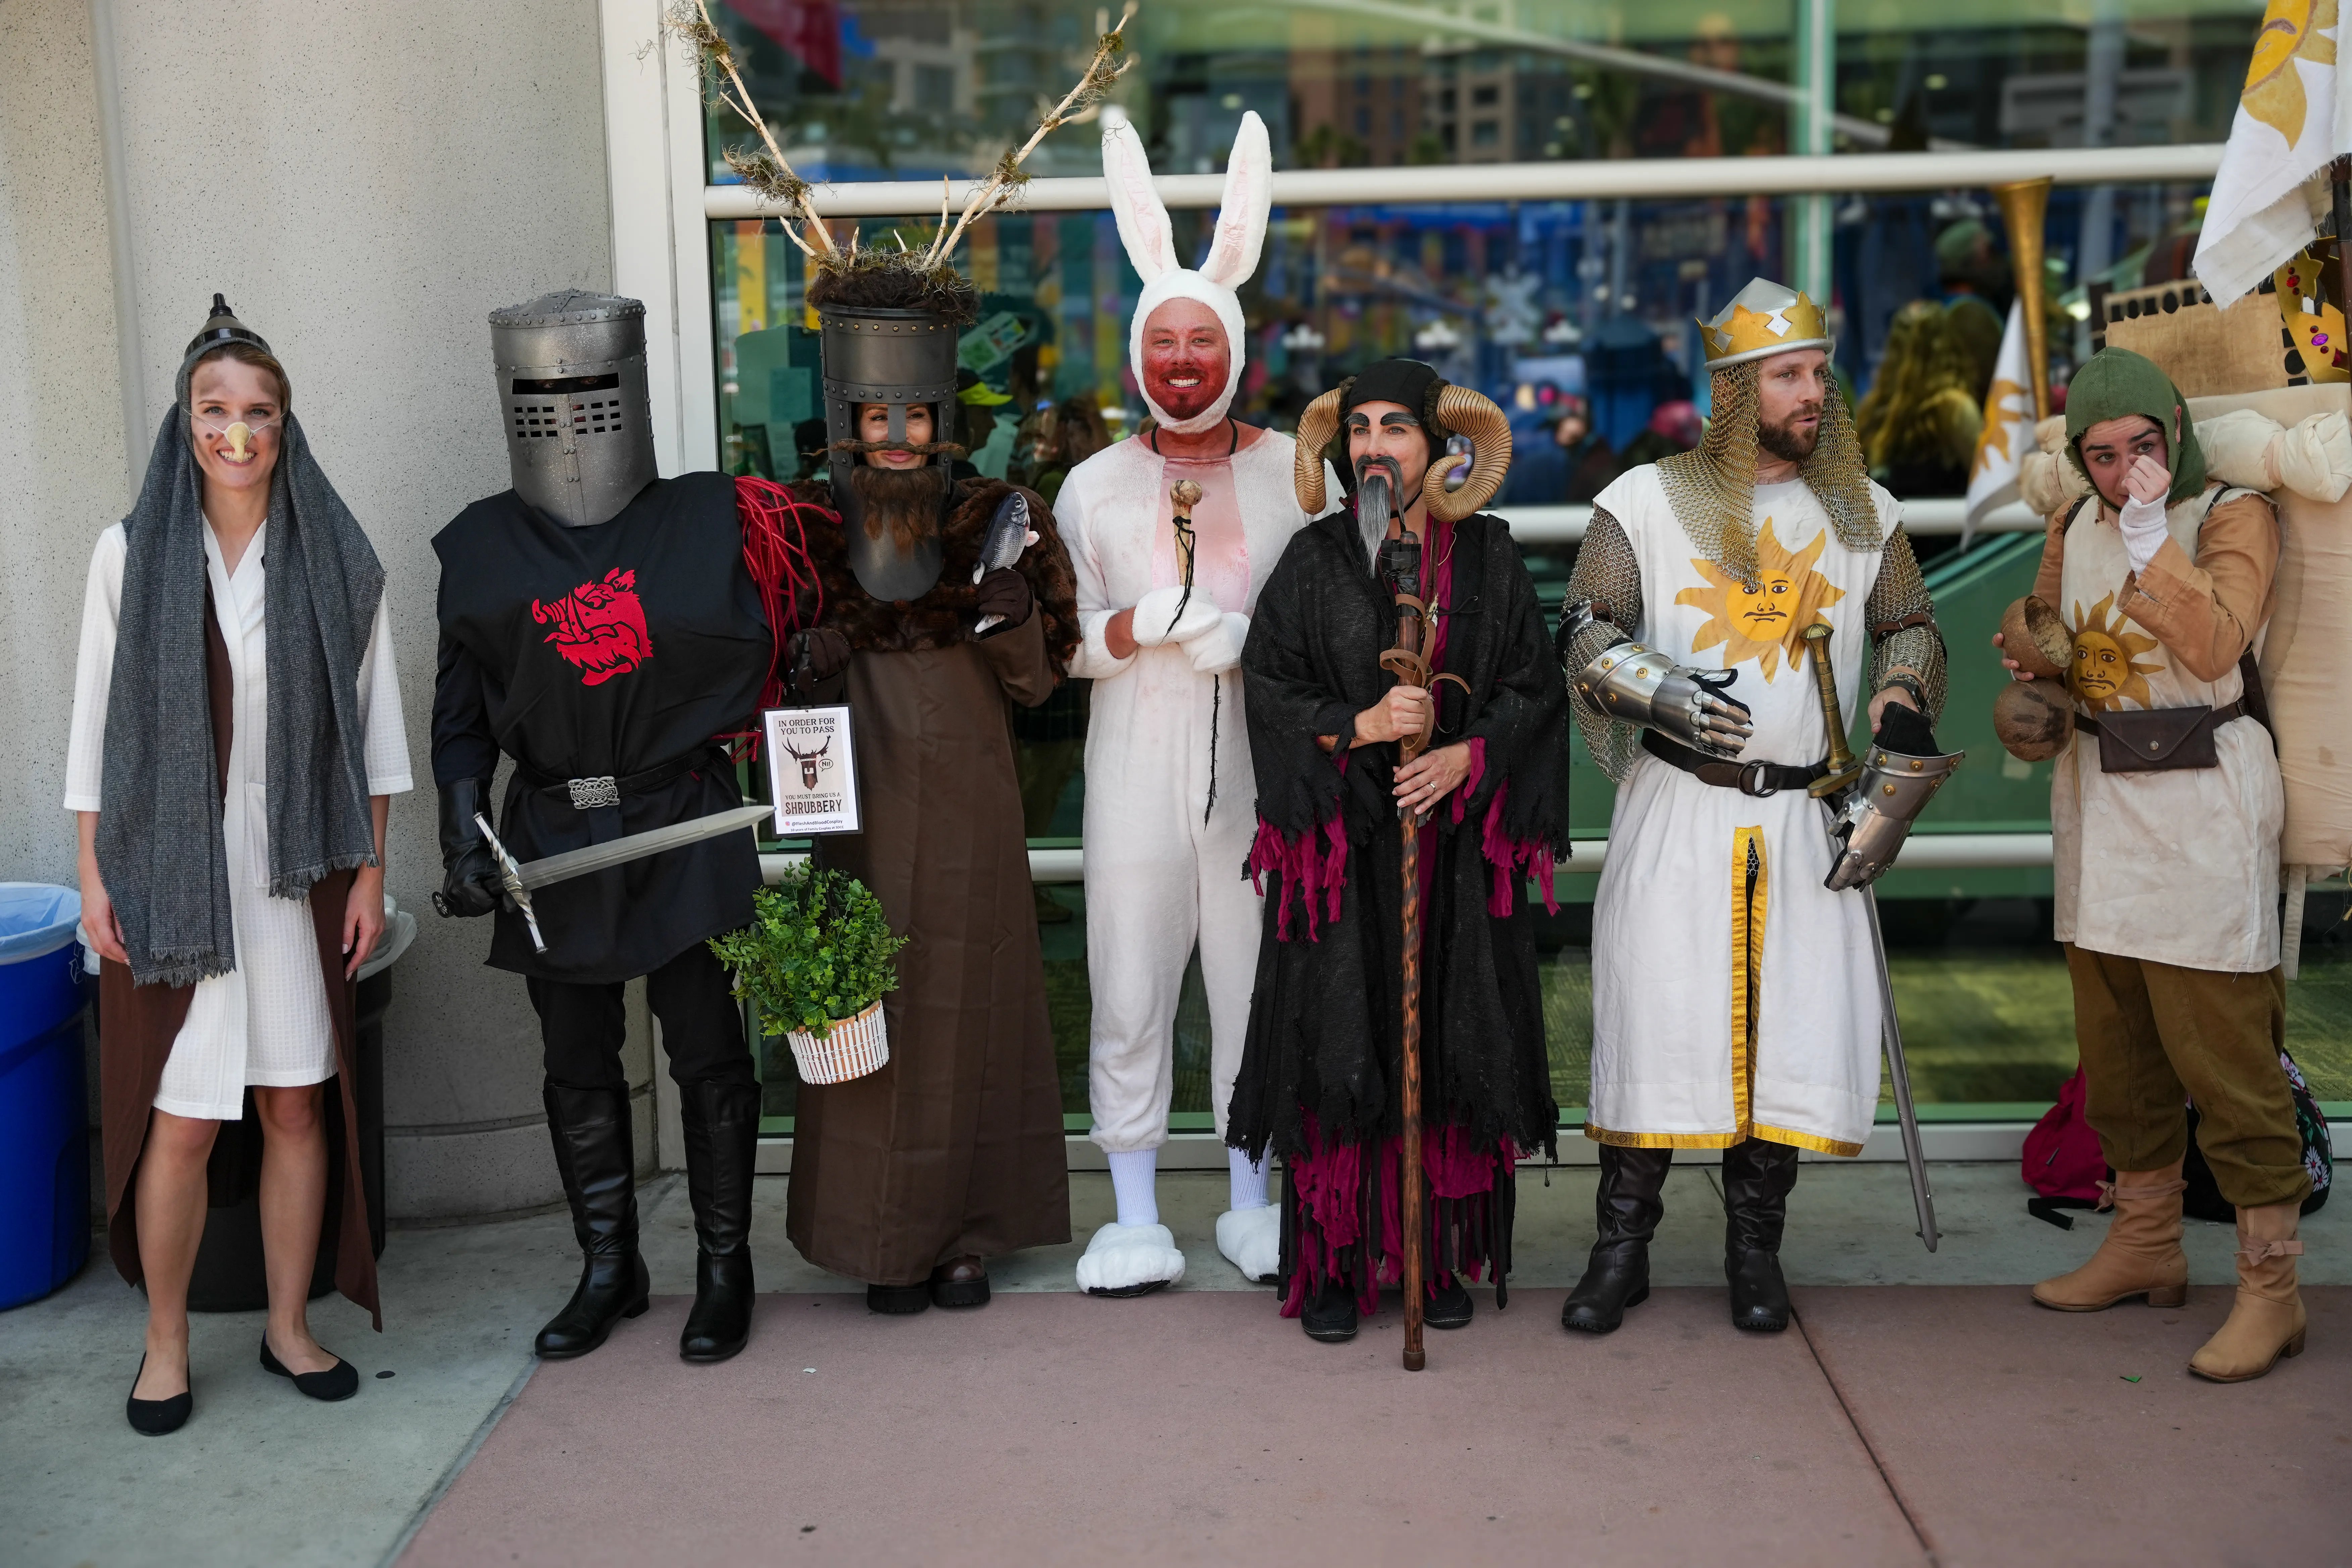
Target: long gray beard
903,501
1374,502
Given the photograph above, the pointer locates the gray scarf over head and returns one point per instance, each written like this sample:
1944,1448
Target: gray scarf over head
160,848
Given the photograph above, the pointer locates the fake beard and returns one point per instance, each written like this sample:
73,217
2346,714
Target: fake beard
905,502
1376,499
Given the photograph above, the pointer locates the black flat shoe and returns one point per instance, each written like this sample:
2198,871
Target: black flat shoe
338,1381
1449,1308
156,1417
898,1300
1331,1314
960,1283
1760,1296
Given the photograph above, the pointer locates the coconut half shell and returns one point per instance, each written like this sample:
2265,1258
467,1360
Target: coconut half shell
2033,719
2032,634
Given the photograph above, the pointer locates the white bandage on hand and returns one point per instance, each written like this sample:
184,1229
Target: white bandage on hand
1217,648
1151,624
2142,525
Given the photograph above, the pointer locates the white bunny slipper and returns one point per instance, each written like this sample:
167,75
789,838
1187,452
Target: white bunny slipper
1251,1240
1129,1260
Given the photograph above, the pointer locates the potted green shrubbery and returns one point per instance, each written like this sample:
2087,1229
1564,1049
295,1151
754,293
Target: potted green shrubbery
816,959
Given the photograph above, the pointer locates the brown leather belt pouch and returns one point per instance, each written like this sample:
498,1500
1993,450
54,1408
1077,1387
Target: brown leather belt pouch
2159,739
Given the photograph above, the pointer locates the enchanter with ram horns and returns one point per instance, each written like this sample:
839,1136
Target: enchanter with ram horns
1321,1070
1735,998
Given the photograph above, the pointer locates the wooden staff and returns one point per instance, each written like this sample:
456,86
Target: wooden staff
1401,563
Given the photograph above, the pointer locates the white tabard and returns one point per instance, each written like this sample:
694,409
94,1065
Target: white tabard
264,1022
2179,867
1732,994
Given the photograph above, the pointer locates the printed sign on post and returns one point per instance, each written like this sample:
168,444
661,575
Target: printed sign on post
812,771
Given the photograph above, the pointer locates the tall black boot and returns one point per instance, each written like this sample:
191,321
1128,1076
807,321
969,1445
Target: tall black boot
722,1143
1757,1178
596,1156
1626,1209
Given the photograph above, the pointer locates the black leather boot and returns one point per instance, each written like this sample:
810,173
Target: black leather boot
596,1157
1756,1180
1626,1208
722,1141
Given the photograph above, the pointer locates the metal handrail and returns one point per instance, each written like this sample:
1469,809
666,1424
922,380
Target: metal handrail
1638,179
1934,516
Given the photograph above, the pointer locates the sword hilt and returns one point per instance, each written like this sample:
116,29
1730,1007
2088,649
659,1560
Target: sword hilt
511,876
1844,768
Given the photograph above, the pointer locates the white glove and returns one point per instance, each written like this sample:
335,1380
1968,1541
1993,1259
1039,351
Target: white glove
2142,523
1150,625
1219,647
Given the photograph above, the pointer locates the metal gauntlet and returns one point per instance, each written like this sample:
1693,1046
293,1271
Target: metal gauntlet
1877,816
1641,685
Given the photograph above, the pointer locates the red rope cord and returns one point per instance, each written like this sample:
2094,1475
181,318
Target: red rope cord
776,553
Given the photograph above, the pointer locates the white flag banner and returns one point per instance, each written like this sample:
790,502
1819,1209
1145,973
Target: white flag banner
2008,432
2294,117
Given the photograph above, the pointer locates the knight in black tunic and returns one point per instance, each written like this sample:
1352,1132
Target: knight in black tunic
1319,1074
599,627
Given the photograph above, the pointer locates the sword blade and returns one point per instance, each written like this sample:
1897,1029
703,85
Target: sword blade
1898,1076
637,846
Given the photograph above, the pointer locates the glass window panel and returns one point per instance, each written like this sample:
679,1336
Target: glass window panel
864,90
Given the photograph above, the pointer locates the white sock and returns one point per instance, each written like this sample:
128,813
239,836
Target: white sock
1132,1173
1248,1180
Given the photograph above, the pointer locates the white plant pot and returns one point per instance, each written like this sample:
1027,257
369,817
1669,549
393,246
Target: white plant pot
854,1048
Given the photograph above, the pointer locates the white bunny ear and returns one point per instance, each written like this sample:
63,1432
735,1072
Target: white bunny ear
1142,220
1249,195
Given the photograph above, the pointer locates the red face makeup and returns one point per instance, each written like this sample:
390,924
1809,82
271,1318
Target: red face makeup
1186,358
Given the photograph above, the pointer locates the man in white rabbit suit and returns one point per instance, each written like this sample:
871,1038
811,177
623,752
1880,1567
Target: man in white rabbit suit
1164,601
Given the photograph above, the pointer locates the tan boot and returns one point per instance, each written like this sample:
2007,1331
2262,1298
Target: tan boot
2266,1320
2141,1255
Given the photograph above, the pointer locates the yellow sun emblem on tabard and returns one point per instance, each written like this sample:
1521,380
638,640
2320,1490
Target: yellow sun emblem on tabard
2291,30
1766,620
2106,672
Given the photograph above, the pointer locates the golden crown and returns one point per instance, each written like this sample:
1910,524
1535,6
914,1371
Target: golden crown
1765,318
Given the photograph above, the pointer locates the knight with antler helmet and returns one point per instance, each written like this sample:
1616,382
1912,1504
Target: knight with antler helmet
1173,533
1684,637
1322,1071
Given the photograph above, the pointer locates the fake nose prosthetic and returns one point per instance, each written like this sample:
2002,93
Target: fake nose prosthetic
239,437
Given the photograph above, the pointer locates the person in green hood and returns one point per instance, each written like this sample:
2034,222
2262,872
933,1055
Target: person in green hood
2165,814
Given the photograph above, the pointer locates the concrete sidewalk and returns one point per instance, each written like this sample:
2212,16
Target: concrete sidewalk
262,1476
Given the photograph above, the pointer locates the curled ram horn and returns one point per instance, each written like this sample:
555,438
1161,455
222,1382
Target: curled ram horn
1471,414
1317,426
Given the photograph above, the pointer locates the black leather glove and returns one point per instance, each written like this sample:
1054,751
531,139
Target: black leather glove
814,661
470,883
1004,592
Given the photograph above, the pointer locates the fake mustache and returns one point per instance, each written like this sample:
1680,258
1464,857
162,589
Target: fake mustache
919,448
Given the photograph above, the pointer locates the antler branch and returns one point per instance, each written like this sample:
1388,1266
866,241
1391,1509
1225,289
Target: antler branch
1109,63
770,173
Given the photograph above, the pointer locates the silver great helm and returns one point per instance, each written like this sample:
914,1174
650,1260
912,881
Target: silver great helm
1877,816
902,359
572,381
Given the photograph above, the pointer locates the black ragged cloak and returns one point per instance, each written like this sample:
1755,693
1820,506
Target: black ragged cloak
1324,1021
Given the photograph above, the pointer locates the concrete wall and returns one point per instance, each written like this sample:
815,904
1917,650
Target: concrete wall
364,183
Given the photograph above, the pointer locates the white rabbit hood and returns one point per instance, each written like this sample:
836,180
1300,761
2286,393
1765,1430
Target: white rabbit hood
1144,229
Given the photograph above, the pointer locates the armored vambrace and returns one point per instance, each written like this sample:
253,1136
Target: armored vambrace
1877,816
1638,684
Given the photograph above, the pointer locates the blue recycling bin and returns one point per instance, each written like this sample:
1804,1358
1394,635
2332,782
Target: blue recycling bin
44,1104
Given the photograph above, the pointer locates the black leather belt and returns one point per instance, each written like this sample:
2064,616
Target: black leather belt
1757,779
583,795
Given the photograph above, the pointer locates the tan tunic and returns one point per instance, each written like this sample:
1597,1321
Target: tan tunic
2177,868
955,1148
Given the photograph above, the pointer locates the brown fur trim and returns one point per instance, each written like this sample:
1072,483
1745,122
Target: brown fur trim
943,617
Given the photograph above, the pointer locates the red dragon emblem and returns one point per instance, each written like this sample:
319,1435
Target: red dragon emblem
599,627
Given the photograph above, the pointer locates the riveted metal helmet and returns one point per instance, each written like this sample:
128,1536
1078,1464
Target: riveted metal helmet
901,359
572,381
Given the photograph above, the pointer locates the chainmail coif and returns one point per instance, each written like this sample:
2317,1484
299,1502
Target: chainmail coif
1711,487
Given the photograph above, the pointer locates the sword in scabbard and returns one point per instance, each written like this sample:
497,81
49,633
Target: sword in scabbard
1844,769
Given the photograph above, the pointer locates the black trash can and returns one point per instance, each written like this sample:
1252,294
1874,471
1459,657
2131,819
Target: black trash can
229,1275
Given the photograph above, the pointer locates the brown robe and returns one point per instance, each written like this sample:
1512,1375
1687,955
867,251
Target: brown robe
955,1148
136,1024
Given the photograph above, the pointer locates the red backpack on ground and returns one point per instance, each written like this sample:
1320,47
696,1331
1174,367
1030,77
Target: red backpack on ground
2062,1160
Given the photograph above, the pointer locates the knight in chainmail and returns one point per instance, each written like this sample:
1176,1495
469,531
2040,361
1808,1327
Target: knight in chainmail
1690,675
